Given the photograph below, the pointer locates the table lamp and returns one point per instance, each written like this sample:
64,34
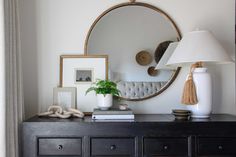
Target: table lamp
194,49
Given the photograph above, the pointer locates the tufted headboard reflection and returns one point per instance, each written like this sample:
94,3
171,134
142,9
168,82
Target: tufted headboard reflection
139,90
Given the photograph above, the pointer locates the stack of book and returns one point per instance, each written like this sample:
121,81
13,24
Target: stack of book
113,114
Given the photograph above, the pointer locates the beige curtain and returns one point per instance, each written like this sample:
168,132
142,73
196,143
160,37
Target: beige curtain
2,84
14,91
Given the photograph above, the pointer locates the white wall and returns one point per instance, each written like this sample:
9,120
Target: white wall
50,28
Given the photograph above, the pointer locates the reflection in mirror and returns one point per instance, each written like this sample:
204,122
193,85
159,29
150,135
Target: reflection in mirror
124,32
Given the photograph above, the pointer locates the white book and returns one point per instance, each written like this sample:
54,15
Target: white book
111,117
114,120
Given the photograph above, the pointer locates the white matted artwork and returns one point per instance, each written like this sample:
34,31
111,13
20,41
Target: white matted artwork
81,71
64,97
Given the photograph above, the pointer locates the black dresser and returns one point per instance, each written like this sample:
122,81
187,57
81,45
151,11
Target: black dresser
146,136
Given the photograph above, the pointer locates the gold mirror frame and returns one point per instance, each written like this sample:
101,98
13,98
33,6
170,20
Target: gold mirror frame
134,3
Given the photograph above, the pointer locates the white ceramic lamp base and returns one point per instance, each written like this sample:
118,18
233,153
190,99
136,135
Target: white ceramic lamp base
203,84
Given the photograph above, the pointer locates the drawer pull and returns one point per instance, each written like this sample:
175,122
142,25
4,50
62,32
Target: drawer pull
113,147
220,147
165,147
60,147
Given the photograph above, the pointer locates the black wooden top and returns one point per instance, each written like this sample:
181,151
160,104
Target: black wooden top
141,118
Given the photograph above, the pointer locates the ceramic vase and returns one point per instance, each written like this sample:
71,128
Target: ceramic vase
203,84
104,102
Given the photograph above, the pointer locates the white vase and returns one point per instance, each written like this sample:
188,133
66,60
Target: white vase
203,84
104,102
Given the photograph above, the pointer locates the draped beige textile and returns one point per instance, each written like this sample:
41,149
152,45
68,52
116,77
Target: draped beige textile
14,91
2,84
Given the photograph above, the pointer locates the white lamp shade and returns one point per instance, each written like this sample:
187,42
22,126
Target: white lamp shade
162,63
198,46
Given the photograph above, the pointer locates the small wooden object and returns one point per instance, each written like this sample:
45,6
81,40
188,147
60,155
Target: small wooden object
144,58
152,71
181,114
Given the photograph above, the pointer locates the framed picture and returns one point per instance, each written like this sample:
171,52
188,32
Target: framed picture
81,71
84,75
64,97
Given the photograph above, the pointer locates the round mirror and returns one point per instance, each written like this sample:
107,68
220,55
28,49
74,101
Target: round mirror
134,36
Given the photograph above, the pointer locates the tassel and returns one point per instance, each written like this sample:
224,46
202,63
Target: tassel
189,96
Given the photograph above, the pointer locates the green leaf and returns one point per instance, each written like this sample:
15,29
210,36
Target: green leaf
90,89
104,87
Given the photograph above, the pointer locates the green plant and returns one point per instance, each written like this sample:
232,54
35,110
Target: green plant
104,87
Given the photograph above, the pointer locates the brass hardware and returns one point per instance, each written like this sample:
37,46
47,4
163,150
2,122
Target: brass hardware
113,147
165,147
60,147
220,147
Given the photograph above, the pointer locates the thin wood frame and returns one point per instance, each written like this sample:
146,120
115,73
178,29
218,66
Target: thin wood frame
164,14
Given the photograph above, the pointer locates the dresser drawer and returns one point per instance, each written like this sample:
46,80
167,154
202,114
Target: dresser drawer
217,146
112,146
59,146
166,147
